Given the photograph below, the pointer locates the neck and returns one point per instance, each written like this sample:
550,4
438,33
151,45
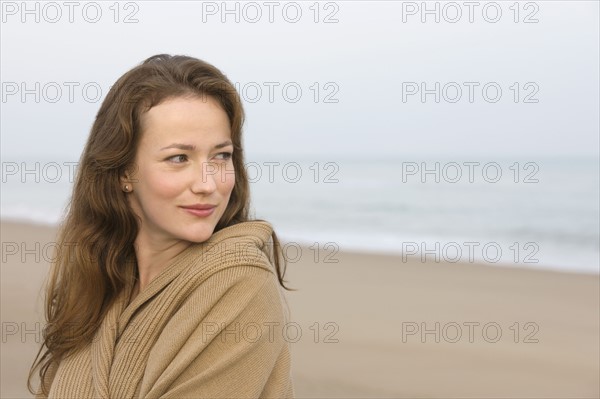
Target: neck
153,255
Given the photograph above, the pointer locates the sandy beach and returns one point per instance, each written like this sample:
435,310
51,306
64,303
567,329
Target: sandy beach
375,326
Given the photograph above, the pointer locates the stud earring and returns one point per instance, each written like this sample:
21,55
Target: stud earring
126,188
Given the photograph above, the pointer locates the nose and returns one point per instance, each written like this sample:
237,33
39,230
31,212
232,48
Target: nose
204,179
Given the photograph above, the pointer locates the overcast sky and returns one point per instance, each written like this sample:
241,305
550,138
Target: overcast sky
367,65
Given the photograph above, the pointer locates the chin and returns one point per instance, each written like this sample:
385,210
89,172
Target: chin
199,236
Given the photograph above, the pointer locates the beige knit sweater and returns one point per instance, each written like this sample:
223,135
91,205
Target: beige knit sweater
211,325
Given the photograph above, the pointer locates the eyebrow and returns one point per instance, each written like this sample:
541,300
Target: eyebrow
189,147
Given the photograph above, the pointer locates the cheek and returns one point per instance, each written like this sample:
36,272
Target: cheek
161,186
226,183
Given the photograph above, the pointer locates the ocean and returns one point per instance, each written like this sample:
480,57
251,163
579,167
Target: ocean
527,212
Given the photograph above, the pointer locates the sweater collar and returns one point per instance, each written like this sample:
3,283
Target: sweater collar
258,230
119,315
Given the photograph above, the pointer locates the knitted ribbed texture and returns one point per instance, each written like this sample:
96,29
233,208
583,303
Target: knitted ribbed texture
210,325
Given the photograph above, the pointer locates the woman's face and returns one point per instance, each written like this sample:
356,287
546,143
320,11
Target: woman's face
183,161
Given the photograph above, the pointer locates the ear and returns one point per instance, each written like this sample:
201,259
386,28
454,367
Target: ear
125,178
126,182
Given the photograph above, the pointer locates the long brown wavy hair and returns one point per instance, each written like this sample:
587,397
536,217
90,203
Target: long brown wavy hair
95,257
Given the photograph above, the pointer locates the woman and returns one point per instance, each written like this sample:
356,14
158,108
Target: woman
161,286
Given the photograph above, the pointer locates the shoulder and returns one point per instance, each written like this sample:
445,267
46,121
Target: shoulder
229,321
243,244
228,288
258,229
235,261
231,273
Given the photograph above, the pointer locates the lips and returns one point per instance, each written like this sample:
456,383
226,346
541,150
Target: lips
200,207
200,210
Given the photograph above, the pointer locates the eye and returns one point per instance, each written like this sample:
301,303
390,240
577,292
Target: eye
226,155
179,158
